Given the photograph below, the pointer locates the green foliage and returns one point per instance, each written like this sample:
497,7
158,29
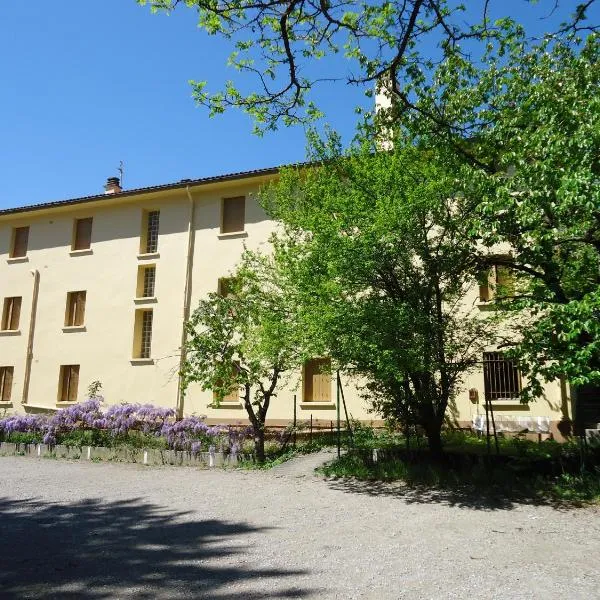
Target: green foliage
249,339
521,132
275,45
376,247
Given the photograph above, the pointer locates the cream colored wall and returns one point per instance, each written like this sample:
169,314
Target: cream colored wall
109,275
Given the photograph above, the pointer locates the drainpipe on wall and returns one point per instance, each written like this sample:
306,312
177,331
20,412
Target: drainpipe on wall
29,356
187,298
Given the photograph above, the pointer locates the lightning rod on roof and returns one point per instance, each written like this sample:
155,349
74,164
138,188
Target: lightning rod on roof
121,170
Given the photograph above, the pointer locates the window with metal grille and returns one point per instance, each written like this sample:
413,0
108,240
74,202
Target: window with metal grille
11,313
149,281
75,310
501,377
20,241
68,383
146,334
150,233
233,214
82,234
6,381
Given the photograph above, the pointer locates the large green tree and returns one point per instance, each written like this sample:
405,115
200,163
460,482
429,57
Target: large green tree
375,244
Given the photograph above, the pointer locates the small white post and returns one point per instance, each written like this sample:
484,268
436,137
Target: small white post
145,457
89,452
374,455
211,456
39,450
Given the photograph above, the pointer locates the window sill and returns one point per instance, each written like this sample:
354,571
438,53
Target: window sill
148,255
487,306
9,332
232,235
141,361
83,252
228,405
74,328
317,405
17,259
6,404
63,403
146,300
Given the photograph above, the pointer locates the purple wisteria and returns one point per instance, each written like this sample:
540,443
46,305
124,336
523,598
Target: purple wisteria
123,422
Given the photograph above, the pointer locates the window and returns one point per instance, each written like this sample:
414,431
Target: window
82,234
68,383
225,286
20,241
233,214
142,335
146,281
501,377
150,225
11,314
234,394
497,282
6,381
75,310
316,380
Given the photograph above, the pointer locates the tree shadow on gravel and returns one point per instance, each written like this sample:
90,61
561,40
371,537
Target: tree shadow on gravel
92,551
465,497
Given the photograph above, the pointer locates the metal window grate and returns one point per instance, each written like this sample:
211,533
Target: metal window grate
152,232
501,377
149,282
146,341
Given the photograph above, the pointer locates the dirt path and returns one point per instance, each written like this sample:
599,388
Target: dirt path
104,531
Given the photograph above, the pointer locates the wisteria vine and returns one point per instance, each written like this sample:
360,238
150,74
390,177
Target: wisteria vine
122,420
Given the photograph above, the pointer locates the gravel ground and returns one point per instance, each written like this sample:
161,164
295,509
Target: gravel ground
94,531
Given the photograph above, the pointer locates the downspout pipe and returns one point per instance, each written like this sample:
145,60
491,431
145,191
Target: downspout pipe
32,319
187,299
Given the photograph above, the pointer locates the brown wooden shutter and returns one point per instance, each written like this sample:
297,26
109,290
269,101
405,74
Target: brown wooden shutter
6,381
83,234
79,308
20,242
73,382
15,317
317,380
234,214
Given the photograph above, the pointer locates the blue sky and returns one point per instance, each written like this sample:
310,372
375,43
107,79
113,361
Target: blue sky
88,84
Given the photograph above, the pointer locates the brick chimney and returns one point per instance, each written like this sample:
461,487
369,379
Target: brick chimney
113,186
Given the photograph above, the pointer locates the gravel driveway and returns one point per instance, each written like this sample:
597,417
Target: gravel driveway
93,531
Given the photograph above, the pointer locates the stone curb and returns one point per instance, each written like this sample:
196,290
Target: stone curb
122,454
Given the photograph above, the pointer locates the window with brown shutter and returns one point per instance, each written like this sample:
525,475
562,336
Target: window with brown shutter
226,286
234,393
68,383
20,241
233,214
82,239
497,282
11,314
6,381
316,379
75,310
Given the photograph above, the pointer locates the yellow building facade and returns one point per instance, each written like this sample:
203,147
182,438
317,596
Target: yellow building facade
98,289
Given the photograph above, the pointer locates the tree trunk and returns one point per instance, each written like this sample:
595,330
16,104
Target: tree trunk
259,444
434,438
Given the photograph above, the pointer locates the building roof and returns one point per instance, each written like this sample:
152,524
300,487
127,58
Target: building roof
155,188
